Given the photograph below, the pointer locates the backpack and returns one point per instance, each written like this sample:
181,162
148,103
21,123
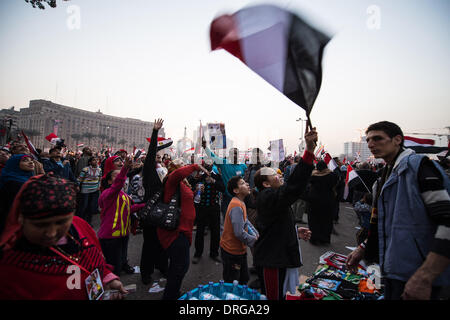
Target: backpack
159,214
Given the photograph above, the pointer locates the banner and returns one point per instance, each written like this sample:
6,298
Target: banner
217,136
277,150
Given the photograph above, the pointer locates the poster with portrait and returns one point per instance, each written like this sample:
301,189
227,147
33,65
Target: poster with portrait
217,136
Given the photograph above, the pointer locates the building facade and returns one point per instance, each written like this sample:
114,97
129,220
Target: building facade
352,149
78,126
8,124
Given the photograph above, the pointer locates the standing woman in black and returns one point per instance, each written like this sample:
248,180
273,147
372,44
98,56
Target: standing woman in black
153,255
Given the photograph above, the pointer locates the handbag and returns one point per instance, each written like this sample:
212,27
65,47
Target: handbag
159,214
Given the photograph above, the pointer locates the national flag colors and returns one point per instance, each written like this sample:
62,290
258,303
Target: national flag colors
162,142
422,145
331,164
351,180
30,146
277,45
52,138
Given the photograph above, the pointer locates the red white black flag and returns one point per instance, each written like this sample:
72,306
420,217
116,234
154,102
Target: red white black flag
422,145
351,180
278,46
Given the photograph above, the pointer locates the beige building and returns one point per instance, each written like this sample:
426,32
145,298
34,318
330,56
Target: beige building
78,126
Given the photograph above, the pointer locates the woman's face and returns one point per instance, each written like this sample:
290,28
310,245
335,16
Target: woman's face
26,164
46,232
118,164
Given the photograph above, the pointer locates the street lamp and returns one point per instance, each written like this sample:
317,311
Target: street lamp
301,147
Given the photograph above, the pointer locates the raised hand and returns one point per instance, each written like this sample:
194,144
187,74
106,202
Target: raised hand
158,124
311,139
128,162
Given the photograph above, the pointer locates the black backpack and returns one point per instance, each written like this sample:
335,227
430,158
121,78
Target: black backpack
159,214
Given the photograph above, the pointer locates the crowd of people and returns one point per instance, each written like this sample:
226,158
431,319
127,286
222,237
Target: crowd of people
48,200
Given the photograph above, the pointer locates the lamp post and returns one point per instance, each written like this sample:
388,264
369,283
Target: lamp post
301,145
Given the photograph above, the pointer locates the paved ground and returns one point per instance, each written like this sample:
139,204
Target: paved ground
208,270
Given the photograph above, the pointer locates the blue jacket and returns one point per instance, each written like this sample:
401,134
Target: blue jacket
405,230
63,172
227,169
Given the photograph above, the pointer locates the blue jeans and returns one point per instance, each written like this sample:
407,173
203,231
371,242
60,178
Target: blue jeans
178,253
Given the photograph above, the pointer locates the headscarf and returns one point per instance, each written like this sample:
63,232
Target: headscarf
42,196
109,165
12,171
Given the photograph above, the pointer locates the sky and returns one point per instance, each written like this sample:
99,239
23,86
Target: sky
387,60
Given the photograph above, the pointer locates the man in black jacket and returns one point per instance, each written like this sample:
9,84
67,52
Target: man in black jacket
208,211
277,250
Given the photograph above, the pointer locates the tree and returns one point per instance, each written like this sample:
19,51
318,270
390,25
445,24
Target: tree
122,142
102,137
39,3
89,136
76,137
30,132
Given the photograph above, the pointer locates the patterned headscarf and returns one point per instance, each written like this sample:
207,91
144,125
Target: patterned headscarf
42,196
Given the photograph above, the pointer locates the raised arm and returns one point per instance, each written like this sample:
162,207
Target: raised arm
149,175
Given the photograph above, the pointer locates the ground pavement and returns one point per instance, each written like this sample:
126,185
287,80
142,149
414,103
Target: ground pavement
208,270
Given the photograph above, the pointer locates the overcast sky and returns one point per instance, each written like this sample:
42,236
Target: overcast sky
148,59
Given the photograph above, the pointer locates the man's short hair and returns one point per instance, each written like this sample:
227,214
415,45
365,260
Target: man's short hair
232,184
261,176
390,128
54,149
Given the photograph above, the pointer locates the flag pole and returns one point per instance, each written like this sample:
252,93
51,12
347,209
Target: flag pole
364,184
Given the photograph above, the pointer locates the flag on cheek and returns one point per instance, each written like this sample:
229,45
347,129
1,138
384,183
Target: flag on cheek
278,46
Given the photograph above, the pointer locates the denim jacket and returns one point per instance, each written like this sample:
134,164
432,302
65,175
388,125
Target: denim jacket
405,230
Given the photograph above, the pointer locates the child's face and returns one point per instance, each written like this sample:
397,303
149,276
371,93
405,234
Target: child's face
243,188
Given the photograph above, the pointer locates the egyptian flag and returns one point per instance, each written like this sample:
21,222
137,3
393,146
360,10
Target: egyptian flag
162,142
53,138
422,145
331,164
351,180
30,146
278,46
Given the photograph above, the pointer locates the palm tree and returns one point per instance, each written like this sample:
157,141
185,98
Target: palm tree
102,137
89,136
76,137
122,142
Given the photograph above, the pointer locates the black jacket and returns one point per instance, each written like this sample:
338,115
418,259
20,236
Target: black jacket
277,245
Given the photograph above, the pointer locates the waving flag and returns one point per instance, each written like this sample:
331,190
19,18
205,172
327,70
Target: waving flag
162,142
320,151
422,145
30,146
331,164
278,46
53,138
351,180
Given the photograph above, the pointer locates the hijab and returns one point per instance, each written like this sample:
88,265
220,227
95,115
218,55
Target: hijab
12,171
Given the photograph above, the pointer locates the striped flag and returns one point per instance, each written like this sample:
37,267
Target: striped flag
30,146
351,180
162,142
277,45
319,151
331,164
422,145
